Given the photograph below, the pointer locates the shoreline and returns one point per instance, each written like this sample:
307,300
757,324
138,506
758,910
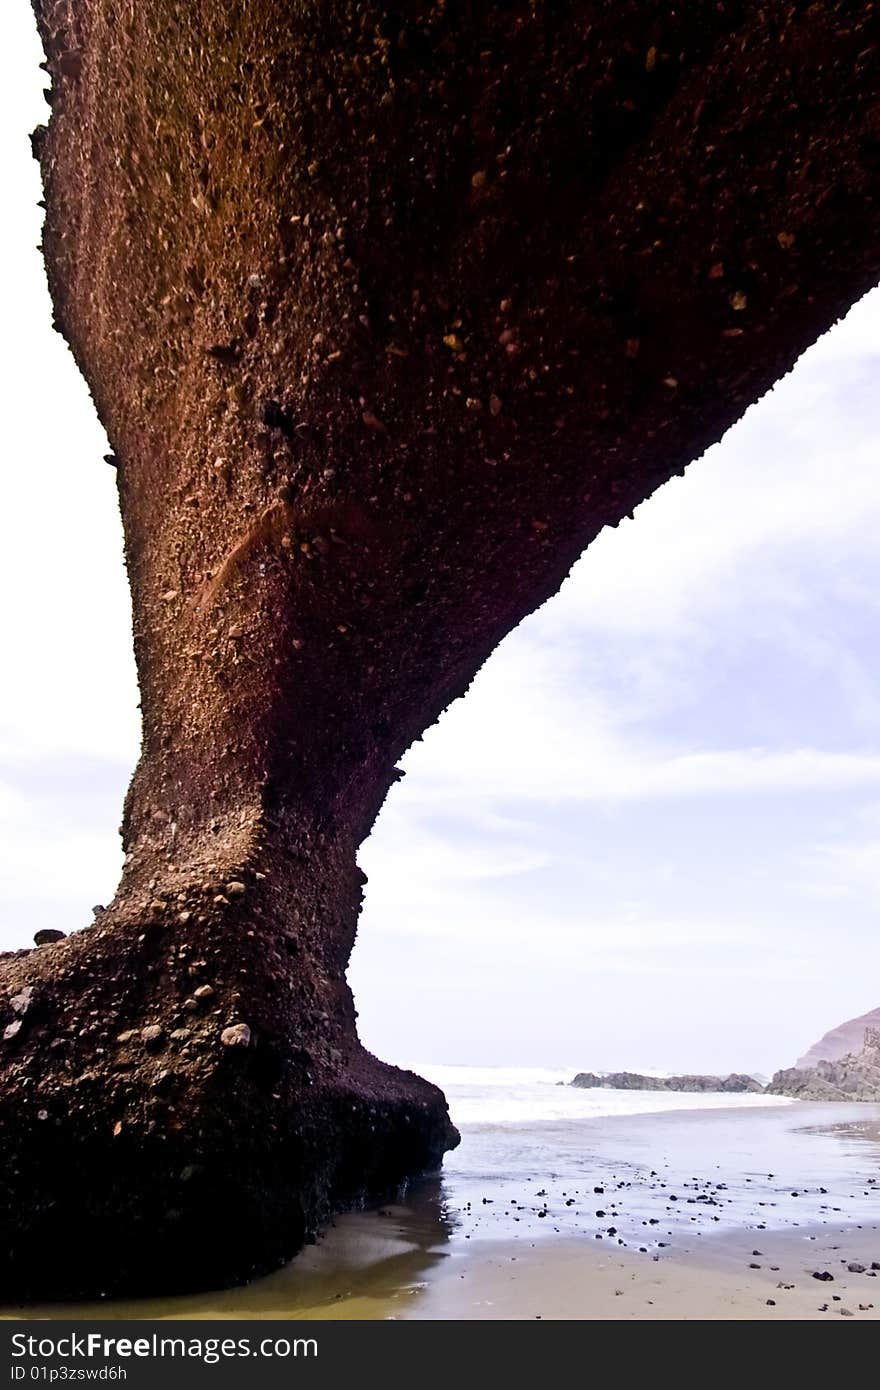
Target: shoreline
727,1277
624,1217
367,1269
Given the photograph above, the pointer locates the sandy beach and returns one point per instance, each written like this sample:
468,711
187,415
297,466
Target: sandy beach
367,1268
727,1278
711,1213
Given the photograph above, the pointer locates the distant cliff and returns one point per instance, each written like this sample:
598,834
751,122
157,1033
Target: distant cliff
842,1041
853,1077
634,1081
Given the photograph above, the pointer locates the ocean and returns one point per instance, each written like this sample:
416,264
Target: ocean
643,1168
535,1095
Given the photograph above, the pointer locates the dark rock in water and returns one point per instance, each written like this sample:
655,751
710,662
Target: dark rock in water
621,1080
635,1081
855,1077
46,935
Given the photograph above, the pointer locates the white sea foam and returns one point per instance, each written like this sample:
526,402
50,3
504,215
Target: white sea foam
533,1095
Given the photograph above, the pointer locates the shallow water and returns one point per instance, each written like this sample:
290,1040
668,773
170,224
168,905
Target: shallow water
664,1175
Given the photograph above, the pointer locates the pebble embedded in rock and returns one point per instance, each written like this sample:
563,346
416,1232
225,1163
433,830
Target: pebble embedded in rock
21,1002
236,1035
47,935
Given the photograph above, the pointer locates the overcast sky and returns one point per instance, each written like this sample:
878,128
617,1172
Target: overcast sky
648,837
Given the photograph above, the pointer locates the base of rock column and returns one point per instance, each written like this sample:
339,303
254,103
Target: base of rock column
162,1133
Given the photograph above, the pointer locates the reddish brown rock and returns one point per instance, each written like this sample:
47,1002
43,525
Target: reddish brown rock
387,313
855,1076
839,1042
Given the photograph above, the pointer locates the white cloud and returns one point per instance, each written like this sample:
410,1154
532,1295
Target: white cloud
50,877
846,870
798,472
65,625
527,733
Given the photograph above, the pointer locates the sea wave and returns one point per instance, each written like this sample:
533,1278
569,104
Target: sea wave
533,1095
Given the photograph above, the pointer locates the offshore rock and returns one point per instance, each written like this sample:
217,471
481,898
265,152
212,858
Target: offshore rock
635,1081
387,312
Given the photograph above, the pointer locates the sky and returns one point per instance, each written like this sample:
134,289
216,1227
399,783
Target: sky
648,837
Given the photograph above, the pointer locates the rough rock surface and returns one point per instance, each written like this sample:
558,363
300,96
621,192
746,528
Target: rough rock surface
387,312
840,1041
635,1081
855,1076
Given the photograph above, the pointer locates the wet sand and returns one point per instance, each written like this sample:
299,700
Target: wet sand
727,1278
685,1216
368,1268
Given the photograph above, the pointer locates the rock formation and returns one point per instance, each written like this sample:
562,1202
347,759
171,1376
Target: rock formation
840,1041
635,1081
387,312
855,1076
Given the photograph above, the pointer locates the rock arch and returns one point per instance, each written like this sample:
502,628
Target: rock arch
387,312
